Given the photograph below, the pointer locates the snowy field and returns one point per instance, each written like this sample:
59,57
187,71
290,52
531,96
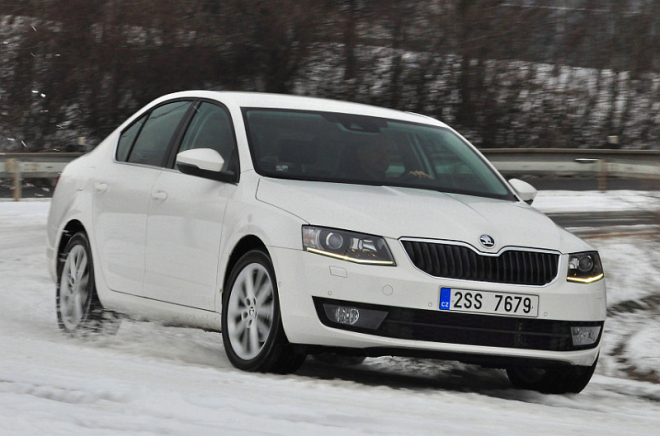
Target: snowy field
155,380
596,201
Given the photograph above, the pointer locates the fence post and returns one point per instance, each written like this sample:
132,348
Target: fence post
14,167
602,174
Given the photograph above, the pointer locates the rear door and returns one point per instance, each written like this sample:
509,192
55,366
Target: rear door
122,193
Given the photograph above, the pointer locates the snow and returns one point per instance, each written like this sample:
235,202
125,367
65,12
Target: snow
150,379
631,266
643,346
596,201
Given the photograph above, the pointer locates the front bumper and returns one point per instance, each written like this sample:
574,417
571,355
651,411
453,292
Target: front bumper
415,325
461,328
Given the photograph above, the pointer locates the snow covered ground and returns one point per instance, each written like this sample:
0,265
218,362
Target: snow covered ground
597,201
155,380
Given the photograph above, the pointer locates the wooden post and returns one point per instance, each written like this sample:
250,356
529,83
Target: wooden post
602,175
14,167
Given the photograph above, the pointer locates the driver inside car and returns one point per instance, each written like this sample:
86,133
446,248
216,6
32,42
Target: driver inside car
374,157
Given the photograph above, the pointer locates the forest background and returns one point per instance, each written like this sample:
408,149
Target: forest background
505,73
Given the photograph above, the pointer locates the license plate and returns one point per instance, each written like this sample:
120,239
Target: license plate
486,302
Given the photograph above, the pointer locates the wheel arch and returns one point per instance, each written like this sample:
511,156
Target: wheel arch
71,228
245,244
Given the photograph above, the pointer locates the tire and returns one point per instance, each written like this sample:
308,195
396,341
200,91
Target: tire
558,380
77,303
252,331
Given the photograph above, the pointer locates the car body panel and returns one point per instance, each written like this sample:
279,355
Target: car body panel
183,239
121,197
416,213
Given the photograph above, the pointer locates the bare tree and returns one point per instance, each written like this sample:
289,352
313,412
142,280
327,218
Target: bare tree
506,73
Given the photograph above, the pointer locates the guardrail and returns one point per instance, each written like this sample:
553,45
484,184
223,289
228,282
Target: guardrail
18,166
602,164
512,162
568,162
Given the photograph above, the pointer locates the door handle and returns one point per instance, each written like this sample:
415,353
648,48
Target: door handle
100,187
159,195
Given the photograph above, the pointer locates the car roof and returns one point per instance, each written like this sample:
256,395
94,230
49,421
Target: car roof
294,102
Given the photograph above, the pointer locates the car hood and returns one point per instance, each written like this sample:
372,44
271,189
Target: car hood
396,212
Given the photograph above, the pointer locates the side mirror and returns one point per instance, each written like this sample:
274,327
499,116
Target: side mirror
206,163
525,191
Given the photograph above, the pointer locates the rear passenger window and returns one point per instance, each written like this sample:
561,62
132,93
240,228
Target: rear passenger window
152,143
127,138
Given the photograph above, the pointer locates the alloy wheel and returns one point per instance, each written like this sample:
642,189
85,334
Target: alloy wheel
250,311
74,288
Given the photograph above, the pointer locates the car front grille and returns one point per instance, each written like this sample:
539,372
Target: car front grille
459,262
468,329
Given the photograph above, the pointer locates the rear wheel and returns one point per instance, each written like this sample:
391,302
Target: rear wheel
77,303
558,380
252,331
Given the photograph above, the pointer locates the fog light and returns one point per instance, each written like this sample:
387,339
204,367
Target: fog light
346,315
353,316
584,335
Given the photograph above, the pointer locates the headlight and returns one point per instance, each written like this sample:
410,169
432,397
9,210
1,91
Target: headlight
584,267
345,245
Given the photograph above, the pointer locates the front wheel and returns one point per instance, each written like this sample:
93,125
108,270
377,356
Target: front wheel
252,331
557,380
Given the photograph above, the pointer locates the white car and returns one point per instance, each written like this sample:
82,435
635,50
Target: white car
298,226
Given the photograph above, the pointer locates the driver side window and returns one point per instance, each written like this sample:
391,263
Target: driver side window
211,127
151,145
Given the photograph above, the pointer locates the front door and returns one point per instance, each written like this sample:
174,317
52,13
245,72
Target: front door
185,219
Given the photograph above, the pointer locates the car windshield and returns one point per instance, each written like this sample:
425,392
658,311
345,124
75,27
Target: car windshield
356,149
